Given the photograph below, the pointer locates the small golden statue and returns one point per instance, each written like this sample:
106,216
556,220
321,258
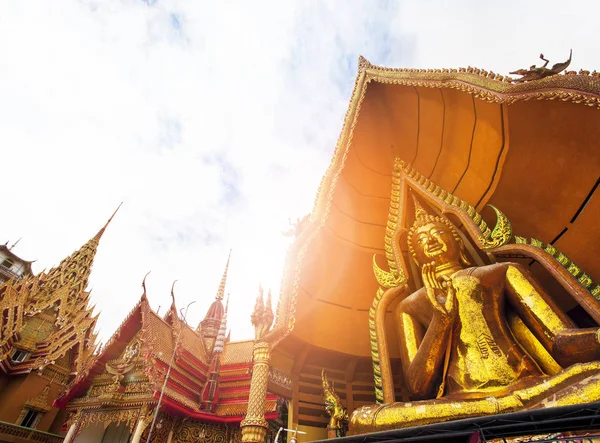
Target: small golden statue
334,407
480,340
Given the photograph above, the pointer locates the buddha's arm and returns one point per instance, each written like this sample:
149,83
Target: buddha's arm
422,353
567,343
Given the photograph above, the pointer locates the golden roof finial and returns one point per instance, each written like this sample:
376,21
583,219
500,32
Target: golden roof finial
268,304
363,63
172,311
259,306
173,294
101,231
221,290
144,297
260,300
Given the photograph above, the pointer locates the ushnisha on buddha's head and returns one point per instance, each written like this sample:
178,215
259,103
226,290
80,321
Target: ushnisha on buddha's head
434,239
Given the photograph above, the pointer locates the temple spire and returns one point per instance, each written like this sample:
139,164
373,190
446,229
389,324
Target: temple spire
220,342
73,272
101,231
63,289
209,327
210,393
221,290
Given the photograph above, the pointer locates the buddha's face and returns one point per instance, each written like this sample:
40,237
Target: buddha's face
435,242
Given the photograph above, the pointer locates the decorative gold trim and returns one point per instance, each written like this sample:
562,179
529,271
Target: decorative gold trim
581,87
39,402
286,306
127,416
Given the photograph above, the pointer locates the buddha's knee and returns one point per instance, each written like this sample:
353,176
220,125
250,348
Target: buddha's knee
406,414
362,419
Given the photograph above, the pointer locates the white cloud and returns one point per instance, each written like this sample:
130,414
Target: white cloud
213,122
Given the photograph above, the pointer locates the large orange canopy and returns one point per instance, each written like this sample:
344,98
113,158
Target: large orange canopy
530,149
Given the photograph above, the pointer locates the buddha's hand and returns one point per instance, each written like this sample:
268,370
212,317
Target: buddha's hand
441,294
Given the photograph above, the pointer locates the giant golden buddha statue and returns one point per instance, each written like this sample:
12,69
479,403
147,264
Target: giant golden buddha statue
479,340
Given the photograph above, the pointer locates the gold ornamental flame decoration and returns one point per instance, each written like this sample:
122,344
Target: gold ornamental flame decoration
387,279
501,234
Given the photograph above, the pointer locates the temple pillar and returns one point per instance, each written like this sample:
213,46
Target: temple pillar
137,436
70,434
254,426
145,418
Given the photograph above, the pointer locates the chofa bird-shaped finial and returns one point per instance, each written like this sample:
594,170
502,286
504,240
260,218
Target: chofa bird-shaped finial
536,73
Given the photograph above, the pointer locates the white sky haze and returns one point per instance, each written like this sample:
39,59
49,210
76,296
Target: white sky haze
213,122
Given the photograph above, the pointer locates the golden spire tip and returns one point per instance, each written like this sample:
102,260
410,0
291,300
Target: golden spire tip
221,290
101,231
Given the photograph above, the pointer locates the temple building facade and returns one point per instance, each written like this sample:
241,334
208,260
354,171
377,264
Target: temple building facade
46,337
200,377
11,265
58,385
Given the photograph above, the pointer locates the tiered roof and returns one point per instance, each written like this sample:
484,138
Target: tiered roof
48,316
8,273
193,366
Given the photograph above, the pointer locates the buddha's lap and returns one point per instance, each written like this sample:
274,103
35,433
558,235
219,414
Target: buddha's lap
579,383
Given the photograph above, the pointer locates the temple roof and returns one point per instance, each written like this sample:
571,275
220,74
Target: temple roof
215,311
7,251
49,314
530,149
212,320
189,371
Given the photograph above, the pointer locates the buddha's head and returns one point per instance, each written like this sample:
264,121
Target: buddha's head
434,239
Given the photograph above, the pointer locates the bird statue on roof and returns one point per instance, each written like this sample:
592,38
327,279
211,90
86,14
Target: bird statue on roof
536,73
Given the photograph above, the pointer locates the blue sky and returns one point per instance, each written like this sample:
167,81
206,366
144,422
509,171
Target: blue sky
213,122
